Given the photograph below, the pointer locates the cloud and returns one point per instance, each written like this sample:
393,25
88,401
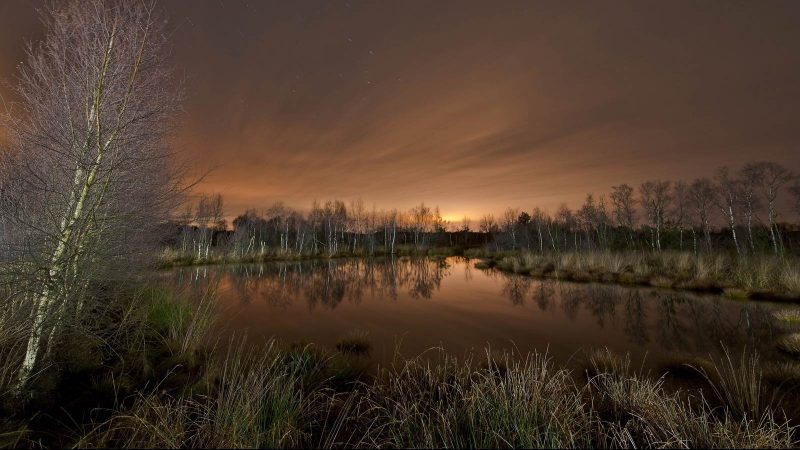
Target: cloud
476,106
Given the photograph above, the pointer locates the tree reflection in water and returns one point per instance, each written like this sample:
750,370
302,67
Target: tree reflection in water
673,321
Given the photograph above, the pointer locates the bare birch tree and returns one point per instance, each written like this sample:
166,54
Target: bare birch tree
538,219
750,176
509,225
655,198
88,171
702,196
729,194
771,179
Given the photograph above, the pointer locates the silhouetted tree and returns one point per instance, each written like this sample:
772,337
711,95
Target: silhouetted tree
702,198
655,198
750,176
729,194
624,210
680,211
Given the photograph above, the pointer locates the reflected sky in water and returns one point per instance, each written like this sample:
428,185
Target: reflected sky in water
411,305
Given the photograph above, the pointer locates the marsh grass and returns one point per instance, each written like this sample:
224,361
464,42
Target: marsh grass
529,403
182,325
788,316
754,276
264,397
604,360
634,411
738,384
267,399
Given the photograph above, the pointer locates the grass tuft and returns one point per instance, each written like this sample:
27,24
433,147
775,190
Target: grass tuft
788,316
183,326
738,384
790,344
355,343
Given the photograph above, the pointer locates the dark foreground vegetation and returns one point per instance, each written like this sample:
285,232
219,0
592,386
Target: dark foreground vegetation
151,375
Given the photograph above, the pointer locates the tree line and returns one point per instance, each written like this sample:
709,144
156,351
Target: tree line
329,228
736,211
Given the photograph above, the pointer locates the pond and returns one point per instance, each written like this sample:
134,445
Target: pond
406,306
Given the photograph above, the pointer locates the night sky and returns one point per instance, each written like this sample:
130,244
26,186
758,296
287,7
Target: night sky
475,106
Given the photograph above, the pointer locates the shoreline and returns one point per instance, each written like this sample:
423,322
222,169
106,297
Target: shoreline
669,277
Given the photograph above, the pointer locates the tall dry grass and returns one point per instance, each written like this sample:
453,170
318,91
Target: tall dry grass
513,403
247,399
763,276
262,400
634,411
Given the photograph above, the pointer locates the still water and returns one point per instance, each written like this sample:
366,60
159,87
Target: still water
407,306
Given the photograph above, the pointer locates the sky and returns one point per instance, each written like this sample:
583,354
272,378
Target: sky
472,105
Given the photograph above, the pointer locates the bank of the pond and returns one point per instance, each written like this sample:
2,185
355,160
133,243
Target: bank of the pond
153,375
756,277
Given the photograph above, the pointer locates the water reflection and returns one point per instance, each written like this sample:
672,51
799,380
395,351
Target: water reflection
326,283
431,302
